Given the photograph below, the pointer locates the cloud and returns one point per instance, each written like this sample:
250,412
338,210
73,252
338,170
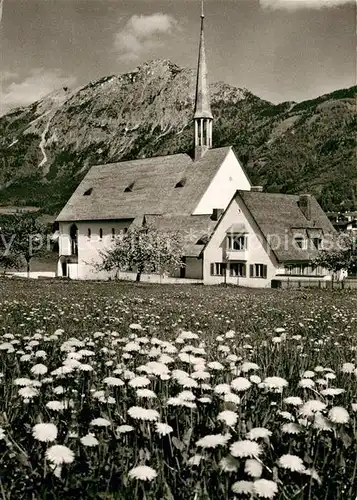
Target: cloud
142,34
302,4
36,85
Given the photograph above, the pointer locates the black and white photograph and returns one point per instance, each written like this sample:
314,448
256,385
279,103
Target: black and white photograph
178,250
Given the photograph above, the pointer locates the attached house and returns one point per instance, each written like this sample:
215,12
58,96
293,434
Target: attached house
264,236
232,232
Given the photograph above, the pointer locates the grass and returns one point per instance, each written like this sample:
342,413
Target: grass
75,352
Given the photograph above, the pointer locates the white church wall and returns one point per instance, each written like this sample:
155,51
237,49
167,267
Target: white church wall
227,180
255,253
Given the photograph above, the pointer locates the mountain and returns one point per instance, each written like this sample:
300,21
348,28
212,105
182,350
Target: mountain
47,147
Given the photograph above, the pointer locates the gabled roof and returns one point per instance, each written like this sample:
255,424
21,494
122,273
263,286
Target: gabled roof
150,185
195,230
280,218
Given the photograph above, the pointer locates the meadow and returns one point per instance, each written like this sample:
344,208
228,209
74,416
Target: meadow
121,391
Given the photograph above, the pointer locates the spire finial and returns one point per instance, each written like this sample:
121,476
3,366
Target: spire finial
202,114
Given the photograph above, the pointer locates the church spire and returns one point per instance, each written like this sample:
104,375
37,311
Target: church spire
203,116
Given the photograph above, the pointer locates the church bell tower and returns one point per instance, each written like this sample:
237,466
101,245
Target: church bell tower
202,115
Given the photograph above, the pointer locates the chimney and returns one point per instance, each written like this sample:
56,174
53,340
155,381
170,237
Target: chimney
257,189
217,213
305,205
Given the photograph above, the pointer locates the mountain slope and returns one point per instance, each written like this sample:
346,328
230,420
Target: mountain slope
46,148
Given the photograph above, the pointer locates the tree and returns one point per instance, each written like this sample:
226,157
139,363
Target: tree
340,254
22,237
145,249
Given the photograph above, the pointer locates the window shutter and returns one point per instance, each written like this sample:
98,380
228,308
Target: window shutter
251,270
265,271
212,269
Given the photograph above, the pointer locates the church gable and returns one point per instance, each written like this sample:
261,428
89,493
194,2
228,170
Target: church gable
230,177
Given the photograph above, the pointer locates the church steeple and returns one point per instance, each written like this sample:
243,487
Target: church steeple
203,116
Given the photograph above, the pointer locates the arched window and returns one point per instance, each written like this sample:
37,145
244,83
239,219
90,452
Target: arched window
113,233
89,233
100,233
73,233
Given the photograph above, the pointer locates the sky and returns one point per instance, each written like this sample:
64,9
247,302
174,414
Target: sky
281,50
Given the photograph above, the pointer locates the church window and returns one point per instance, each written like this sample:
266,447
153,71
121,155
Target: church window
89,234
113,233
88,192
100,233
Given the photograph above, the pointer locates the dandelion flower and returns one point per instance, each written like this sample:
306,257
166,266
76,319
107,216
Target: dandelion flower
143,473
275,383
55,405
222,389
258,433
338,415
229,464
123,429
231,398
145,393
213,440
45,432
293,400
22,381
291,428
354,407
139,382
348,368
332,391
322,423
306,383
291,462
195,459
245,448
311,407
59,454
113,381
89,440
228,417
286,414
253,468
100,422
163,429
309,374
264,488
241,384
139,413
28,392
242,487
39,369
255,379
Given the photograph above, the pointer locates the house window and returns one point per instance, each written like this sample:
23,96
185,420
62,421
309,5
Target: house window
89,234
113,233
88,192
218,268
236,242
129,188
317,243
237,269
181,183
300,242
100,233
258,270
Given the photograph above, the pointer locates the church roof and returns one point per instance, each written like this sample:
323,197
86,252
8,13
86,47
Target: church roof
194,230
281,220
129,189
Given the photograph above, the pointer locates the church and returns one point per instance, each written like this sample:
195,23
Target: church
232,231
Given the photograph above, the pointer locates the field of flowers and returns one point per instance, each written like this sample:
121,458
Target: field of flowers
119,391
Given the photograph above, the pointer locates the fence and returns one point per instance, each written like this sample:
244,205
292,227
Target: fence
348,283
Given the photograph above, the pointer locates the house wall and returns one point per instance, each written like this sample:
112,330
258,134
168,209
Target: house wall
194,268
227,180
88,248
255,253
